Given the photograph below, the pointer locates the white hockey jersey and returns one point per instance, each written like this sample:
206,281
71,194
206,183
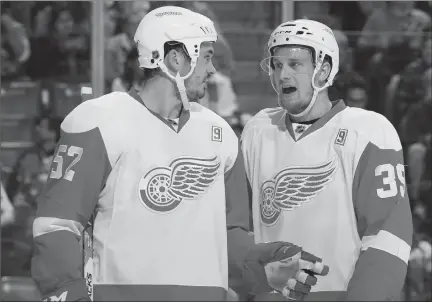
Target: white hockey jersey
167,201
336,188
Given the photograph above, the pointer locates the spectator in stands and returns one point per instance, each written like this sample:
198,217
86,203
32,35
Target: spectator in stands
132,75
336,91
347,75
356,92
121,44
62,50
420,265
32,167
133,12
393,33
25,182
391,38
368,7
15,45
406,88
8,248
345,51
416,133
318,11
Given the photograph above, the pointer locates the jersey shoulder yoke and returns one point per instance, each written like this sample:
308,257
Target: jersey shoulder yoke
371,126
199,112
267,116
95,112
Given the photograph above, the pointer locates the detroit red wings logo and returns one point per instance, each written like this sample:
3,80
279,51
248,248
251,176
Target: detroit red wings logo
292,187
164,188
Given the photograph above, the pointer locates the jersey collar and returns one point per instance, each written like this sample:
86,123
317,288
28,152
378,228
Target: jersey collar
337,107
184,114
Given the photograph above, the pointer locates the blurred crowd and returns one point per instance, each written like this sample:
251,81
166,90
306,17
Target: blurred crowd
385,66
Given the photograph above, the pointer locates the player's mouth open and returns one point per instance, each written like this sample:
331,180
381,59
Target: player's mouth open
289,89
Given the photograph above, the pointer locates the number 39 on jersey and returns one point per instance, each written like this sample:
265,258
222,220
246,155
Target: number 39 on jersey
393,178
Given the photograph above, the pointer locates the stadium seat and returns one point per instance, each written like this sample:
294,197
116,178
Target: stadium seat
65,96
16,128
20,98
10,152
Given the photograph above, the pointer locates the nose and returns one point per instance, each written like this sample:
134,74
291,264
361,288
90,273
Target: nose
286,73
211,70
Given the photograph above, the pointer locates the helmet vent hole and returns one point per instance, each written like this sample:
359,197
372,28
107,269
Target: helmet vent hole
196,50
300,32
305,28
287,39
152,61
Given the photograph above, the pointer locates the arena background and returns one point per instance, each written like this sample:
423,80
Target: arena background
51,49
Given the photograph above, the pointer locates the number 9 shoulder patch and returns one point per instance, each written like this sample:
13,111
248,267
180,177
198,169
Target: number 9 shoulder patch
216,134
341,137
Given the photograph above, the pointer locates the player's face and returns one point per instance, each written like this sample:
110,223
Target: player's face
197,82
65,23
292,76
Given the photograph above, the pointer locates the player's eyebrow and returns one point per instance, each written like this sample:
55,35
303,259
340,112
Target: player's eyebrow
289,60
297,60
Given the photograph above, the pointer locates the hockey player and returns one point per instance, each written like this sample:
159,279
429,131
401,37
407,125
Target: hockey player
325,176
165,181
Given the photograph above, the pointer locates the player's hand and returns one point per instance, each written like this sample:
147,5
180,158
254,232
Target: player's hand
295,275
283,254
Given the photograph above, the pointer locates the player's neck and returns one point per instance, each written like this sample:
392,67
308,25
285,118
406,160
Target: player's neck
159,95
319,109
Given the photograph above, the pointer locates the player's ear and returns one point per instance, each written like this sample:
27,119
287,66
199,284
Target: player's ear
174,60
323,73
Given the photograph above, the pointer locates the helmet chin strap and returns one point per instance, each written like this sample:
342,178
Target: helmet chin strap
180,82
182,89
311,103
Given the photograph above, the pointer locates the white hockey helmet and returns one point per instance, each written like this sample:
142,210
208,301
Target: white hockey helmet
172,24
309,33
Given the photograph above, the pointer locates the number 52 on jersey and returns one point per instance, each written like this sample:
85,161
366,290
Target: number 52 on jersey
64,155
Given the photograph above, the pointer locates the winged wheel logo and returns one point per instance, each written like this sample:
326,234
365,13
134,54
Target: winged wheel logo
162,189
292,187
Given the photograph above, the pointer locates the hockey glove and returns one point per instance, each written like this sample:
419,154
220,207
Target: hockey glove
294,276
293,282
